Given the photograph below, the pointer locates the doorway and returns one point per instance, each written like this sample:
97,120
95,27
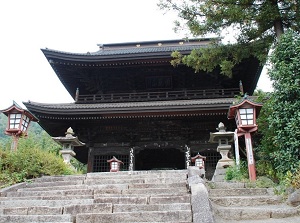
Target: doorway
158,158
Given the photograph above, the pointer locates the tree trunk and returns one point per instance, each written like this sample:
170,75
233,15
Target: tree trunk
278,28
278,25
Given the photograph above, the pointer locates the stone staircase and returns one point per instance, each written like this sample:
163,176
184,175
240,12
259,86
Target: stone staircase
235,202
139,196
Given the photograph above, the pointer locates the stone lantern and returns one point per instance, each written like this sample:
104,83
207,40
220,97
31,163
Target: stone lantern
115,164
68,143
222,138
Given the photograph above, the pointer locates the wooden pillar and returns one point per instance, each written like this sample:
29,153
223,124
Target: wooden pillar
90,160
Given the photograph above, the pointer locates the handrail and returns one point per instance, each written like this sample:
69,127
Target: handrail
157,96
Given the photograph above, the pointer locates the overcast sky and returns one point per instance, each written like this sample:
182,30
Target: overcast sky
75,26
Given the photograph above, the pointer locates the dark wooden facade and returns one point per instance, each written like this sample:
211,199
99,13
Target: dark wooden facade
127,97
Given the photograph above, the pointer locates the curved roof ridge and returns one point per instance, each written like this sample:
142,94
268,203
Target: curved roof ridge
142,47
131,104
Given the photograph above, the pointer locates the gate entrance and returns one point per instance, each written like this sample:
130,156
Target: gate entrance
157,158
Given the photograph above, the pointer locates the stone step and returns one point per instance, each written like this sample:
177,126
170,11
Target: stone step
51,193
226,185
61,178
53,184
103,187
237,201
136,176
169,191
42,210
154,185
142,199
77,187
230,185
54,197
89,208
113,181
141,173
294,219
68,209
238,192
151,207
136,192
255,213
153,216
181,174
36,218
49,203
167,180
134,181
67,187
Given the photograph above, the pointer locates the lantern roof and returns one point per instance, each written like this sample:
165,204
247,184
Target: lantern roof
114,159
221,134
245,103
198,156
69,138
15,108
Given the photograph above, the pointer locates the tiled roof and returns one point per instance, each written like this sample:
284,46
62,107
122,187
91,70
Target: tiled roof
138,50
131,105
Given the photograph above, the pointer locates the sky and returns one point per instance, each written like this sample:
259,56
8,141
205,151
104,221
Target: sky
75,26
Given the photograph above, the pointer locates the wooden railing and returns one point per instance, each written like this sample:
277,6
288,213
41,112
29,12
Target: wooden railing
157,96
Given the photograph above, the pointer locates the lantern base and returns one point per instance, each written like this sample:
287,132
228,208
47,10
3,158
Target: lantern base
67,155
225,161
223,164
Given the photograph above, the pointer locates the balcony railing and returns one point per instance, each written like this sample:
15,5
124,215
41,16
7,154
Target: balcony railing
158,96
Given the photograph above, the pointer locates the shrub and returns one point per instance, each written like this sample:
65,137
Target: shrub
295,182
237,173
27,163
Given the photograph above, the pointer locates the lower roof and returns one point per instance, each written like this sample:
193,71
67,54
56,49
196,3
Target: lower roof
110,109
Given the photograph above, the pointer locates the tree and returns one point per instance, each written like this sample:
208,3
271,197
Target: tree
257,23
284,118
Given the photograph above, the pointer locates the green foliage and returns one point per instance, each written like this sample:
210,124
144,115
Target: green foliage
284,116
80,167
265,167
237,173
295,181
27,163
257,25
264,182
279,121
218,54
37,155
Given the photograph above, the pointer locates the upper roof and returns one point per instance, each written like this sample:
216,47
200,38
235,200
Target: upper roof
120,67
132,48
